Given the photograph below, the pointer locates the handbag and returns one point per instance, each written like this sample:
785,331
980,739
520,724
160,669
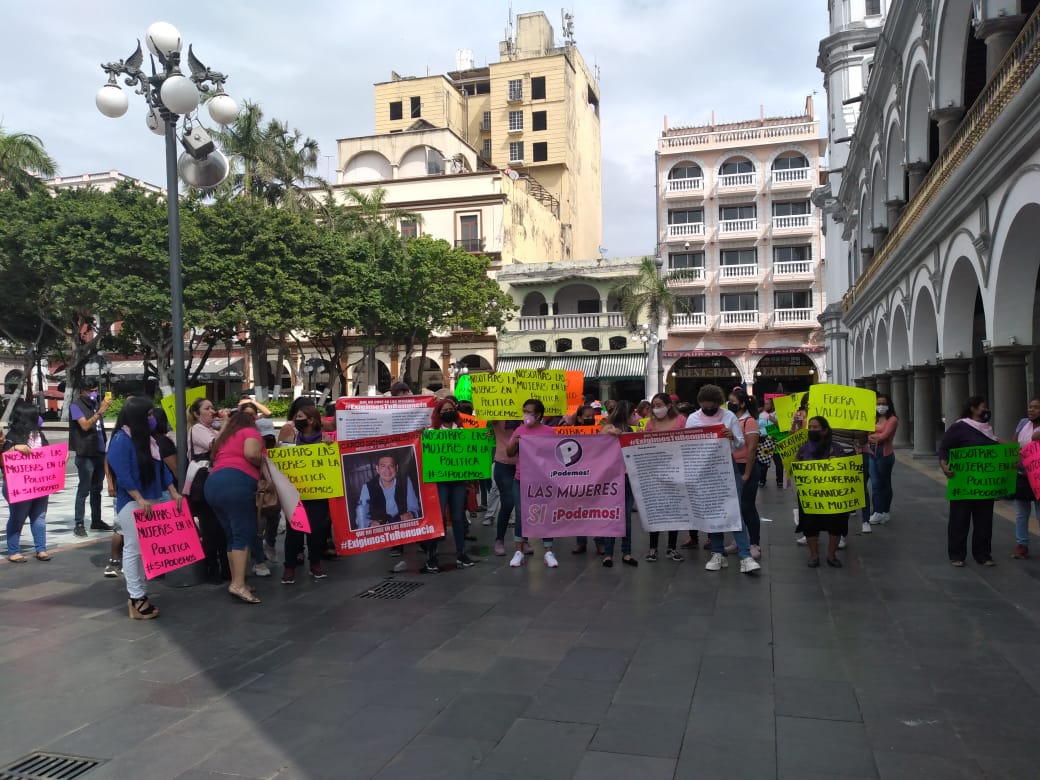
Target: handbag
266,494
195,476
766,448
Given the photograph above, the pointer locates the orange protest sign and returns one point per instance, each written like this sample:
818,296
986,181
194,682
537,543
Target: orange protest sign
469,421
576,430
575,381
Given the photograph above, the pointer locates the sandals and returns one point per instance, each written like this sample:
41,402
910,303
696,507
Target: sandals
579,550
142,609
243,595
43,556
17,558
608,561
814,563
628,560
835,562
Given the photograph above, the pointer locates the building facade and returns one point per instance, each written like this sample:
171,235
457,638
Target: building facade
535,111
939,211
740,242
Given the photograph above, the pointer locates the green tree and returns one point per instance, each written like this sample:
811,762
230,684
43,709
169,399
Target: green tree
647,298
23,161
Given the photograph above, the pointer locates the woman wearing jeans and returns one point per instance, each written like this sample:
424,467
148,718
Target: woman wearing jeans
23,437
746,468
617,423
504,473
534,411
141,479
450,495
882,458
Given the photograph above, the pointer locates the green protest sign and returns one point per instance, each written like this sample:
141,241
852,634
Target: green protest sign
774,433
454,454
830,486
982,472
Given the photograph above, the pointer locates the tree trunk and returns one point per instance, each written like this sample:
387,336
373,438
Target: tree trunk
422,361
372,372
409,350
258,354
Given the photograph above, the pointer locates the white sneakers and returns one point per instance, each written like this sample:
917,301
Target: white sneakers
550,559
880,518
842,544
716,562
261,570
866,528
749,566
517,560
801,541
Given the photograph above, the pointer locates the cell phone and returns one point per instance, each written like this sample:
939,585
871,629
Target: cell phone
108,395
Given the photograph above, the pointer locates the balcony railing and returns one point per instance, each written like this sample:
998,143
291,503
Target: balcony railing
690,321
792,176
470,244
792,221
601,321
793,268
731,180
685,185
748,271
738,225
740,319
743,135
794,316
686,229
680,276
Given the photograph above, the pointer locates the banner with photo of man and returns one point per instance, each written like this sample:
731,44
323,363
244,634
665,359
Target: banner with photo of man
385,502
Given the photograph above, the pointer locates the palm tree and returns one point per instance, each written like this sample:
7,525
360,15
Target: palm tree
244,144
647,298
23,162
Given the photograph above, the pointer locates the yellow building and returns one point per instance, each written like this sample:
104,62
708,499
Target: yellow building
535,111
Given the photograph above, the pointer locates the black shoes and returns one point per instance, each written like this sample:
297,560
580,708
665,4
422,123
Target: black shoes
100,526
80,530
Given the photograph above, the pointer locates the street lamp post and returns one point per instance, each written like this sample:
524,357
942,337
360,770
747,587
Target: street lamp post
659,262
648,335
170,95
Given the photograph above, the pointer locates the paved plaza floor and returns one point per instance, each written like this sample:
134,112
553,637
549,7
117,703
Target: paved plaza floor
895,666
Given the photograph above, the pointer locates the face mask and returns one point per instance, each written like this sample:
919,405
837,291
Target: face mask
660,412
587,422
216,425
709,411
449,415
882,409
300,424
92,396
152,422
985,416
815,436
634,419
529,419
39,422
735,408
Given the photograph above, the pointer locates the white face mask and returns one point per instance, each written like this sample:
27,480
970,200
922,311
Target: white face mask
529,419
882,409
660,412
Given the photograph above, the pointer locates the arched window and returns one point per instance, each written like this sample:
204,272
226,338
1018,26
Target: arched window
563,345
537,345
686,170
735,165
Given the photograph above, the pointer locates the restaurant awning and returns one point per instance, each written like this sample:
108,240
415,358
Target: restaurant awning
595,366
623,366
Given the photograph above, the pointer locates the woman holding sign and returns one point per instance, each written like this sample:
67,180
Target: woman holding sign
308,427
141,479
617,423
821,446
1027,431
971,430
665,417
534,411
452,495
24,436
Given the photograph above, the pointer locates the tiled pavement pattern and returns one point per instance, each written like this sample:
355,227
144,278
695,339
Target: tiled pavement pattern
896,666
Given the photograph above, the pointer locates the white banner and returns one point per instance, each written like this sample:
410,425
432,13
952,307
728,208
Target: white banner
683,480
369,417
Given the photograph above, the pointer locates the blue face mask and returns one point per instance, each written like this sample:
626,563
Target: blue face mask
39,422
92,396
152,422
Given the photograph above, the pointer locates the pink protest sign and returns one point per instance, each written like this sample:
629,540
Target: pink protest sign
38,474
572,486
299,520
169,539
1031,463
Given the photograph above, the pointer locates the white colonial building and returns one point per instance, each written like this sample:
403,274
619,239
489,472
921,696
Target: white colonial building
939,211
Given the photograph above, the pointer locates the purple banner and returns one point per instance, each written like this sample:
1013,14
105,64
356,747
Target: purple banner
572,486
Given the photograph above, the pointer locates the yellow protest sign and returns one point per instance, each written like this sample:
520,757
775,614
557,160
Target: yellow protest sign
169,404
495,396
549,387
786,406
788,448
828,487
313,469
847,408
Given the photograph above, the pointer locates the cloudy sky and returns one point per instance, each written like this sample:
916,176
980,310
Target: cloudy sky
313,64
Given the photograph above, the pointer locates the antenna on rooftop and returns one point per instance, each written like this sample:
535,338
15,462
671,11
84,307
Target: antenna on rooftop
568,27
510,42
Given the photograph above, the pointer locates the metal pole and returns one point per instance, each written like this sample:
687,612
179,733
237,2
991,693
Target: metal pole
176,297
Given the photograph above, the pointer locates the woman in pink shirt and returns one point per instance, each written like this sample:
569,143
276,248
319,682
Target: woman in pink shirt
237,454
665,417
534,411
882,459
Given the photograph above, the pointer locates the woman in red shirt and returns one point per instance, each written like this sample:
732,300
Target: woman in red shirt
237,454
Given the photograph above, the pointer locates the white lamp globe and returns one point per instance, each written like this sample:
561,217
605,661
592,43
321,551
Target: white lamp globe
223,109
111,101
179,94
155,122
163,39
203,173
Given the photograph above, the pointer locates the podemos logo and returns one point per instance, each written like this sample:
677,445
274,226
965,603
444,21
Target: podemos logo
568,452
